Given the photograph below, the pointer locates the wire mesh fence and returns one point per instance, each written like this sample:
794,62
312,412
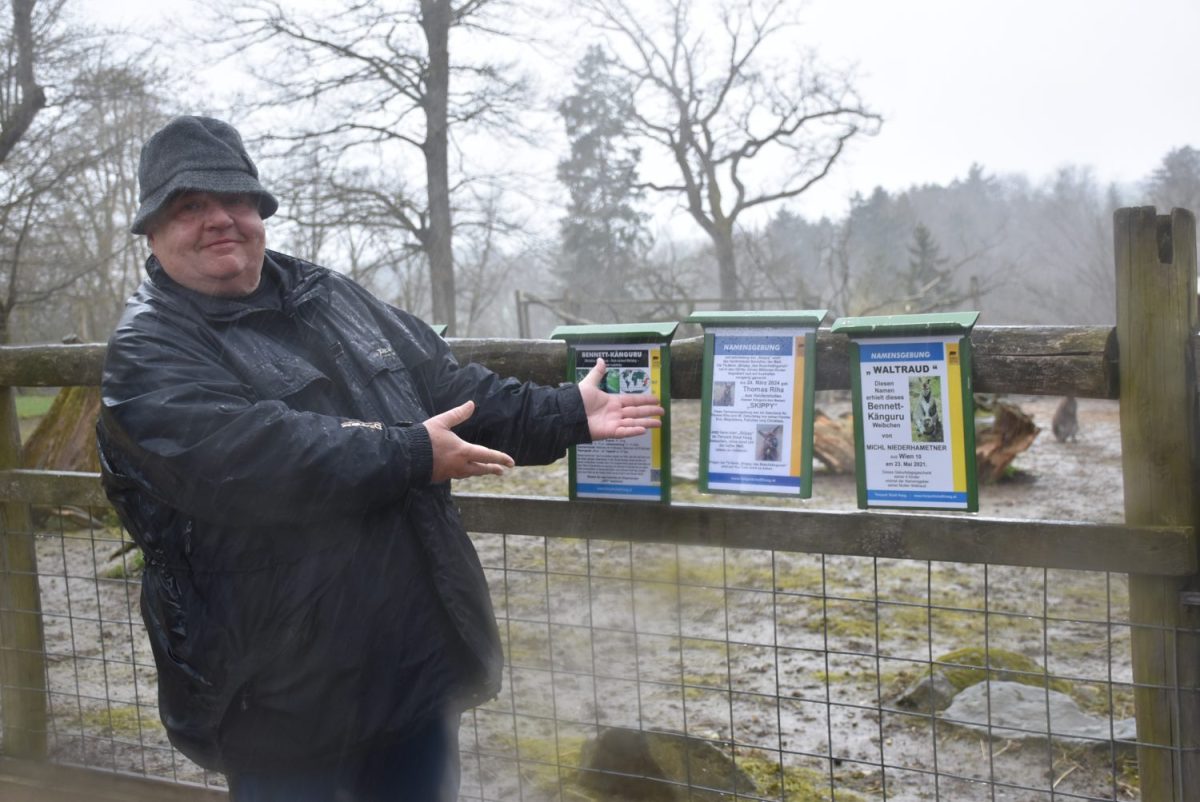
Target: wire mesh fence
640,670
812,677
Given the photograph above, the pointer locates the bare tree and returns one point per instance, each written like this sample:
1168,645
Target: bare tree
115,108
22,97
372,82
46,242
741,131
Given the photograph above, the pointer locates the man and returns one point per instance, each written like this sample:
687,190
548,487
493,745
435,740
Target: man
279,443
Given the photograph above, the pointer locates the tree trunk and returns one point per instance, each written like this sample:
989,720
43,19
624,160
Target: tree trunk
722,237
19,115
435,21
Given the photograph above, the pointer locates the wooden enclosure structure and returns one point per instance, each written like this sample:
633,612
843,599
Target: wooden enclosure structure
1147,361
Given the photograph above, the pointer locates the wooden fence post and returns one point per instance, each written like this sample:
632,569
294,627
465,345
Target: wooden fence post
1156,318
22,660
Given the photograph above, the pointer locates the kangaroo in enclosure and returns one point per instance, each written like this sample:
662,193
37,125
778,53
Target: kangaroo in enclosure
929,422
1065,425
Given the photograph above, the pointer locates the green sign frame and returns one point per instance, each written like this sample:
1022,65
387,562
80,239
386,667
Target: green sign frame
765,373
635,469
914,410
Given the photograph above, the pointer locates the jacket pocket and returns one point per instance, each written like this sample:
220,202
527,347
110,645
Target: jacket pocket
389,381
285,375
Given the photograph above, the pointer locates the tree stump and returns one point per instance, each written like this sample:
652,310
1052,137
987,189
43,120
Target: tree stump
65,439
1011,432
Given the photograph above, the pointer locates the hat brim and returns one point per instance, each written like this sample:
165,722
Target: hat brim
222,181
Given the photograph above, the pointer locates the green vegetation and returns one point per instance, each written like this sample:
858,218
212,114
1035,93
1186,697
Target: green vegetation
122,721
794,783
34,406
971,666
130,567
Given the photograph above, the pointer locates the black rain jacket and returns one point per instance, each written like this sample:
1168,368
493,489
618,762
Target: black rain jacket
306,587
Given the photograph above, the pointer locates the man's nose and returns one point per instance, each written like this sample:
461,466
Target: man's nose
217,216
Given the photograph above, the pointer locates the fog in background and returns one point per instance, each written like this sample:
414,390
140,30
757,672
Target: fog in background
620,161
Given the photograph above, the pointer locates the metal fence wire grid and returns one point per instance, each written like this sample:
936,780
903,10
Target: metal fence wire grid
711,672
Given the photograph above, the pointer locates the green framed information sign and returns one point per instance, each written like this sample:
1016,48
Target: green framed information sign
756,423
914,413
637,359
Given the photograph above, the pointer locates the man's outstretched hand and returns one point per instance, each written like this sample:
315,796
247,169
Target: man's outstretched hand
609,415
455,458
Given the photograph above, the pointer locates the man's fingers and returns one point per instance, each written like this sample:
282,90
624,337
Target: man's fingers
639,423
452,417
596,374
633,409
490,460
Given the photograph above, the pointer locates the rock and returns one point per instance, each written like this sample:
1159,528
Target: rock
1012,710
626,764
928,694
963,668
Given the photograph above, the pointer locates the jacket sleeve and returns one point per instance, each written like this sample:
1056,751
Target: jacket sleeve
532,423
202,441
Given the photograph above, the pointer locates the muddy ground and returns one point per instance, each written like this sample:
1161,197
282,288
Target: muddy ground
705,641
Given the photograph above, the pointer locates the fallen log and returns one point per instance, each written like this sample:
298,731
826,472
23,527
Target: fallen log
997,445
833,442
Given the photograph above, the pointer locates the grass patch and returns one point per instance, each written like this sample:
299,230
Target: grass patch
34,406
971,666
122,721
795,783
130,567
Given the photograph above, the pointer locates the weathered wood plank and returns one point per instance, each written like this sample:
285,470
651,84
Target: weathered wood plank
51,365
53,488
1166,551
1035,360
35,781
1156,318
22,664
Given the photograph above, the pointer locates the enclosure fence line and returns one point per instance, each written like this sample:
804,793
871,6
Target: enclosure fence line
730,624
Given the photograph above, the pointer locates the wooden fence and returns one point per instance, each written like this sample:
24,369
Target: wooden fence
1147,361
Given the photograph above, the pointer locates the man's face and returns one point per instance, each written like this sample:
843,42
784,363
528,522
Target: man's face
211,243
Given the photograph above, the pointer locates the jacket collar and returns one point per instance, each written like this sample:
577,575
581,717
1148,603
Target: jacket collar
297,282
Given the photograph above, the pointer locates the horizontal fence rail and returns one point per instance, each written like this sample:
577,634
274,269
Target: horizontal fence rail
1024,360
1150,550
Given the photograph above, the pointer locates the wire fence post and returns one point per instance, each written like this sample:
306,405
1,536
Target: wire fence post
1156,319
22,663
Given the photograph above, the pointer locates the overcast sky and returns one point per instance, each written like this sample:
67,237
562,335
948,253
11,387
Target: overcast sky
1019,86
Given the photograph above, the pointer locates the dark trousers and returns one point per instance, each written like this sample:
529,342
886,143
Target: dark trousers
421,766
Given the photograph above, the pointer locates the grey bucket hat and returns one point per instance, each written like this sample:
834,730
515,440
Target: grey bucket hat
195,153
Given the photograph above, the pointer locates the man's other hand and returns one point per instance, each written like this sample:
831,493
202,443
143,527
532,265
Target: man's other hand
609,415
455,458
